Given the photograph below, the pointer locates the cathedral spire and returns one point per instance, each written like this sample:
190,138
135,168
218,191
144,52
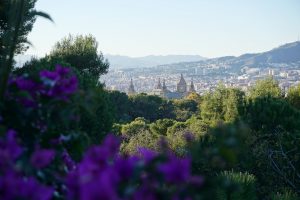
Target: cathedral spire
164,87
158,86
131,90
192,87
181,86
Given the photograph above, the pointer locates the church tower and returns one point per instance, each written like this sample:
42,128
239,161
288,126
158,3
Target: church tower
158,86
192,87
181,86
164,87
131,90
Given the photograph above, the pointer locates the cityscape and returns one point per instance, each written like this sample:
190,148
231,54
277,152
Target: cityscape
208,74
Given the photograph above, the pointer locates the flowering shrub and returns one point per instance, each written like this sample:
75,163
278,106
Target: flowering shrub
58,84
34,160
105,174
40,108
13,183
39,135
102,174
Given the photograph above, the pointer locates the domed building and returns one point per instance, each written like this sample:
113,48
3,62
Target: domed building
181,86
181,90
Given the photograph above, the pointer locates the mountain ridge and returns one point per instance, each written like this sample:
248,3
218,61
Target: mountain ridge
283,54
118,61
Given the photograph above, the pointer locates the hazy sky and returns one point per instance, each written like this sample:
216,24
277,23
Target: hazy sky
208,28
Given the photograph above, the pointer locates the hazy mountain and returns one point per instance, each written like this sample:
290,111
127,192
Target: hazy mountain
287,53
284,54
117,61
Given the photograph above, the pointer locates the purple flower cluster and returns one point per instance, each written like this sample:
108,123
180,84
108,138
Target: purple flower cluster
13,184
42,158
57,84
105,174
9,151
29,88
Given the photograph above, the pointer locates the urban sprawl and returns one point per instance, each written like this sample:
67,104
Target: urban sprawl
204,77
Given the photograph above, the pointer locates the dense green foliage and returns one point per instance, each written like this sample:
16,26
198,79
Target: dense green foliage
237,186
230,130
16,21
81,52
223,105
242,146
266,88
294,96
92,102
25,26
151,107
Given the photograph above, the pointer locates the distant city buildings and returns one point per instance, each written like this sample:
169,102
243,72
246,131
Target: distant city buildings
166,82
163,91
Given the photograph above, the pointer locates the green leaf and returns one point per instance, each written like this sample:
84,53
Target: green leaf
42,14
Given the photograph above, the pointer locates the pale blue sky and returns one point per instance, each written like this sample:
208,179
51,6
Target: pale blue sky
208,28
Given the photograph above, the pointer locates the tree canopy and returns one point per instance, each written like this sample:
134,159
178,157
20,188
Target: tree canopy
293,96
82,53
26,25
266,87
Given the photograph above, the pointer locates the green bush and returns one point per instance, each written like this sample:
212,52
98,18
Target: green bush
286,195
236,186
134,127
145,139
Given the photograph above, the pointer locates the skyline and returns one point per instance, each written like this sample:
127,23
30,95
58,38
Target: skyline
210,29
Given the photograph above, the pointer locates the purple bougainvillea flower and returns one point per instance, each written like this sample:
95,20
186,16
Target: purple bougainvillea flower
90,181
26,84
59,83
105,152
176,170
29,86
13,148
42,157
50,75
124,166
105,174
9,150
62,70
14,186
147,154
112,144
30,189
107,180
